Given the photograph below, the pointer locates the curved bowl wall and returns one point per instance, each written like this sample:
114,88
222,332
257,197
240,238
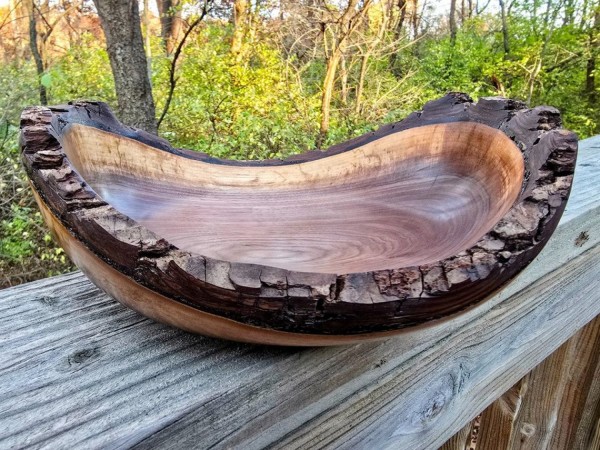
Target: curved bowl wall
401,227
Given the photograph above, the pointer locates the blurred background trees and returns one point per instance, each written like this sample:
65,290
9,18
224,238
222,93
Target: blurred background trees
267,78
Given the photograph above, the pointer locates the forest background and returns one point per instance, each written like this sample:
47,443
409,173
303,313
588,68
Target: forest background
250,79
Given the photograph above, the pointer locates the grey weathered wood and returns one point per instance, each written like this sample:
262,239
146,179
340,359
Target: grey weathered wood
79,370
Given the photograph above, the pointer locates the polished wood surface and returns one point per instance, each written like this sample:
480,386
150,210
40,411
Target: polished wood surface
399,228
170,312
412,198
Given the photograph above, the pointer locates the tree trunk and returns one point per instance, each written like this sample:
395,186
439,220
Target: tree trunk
344,80
590,81
361,82
18,10
346,24
415,18
570,7
240,19
328,83
35,51
366,55
453,22
590,77
401,20
170,23
535,71
398,35
252,24
504,29
584,15
121,24
146,19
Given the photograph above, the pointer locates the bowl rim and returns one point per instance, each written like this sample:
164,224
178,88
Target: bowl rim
316,303
495,152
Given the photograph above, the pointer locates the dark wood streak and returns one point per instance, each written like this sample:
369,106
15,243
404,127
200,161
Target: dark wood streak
313,303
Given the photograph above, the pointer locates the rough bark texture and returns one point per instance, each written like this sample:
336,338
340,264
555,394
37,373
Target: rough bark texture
121,25
304,302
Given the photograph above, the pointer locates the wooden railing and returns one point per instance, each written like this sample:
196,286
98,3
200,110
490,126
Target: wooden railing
555,406
78,370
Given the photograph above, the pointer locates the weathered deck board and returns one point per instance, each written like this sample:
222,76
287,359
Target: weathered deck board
446,385
582,387
582,403
497,425
78,369
461,440
555,406
536,421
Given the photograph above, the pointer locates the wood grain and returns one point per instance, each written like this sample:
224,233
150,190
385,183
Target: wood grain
355,207
461,440
555,406
411,198
531,418
165,310
70,376
581,391
393,414
595,442
79,370
497,424
588,427
535,422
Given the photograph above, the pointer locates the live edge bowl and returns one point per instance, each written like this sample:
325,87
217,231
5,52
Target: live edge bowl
410,224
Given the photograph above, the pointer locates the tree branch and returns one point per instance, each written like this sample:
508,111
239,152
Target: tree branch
172,78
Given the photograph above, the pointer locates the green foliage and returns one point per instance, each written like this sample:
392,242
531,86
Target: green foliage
21,241
267,105
19,89
466,66
15,243
83,72
46,80
247,111
27,251
476,64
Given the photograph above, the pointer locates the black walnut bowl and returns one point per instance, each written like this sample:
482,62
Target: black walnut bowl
412,223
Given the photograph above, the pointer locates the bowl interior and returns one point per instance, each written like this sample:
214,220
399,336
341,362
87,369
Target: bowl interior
409,198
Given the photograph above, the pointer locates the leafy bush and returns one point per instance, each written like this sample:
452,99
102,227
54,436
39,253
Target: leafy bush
268,105
249,111
27,251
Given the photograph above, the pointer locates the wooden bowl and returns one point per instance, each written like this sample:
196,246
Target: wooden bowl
409,224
